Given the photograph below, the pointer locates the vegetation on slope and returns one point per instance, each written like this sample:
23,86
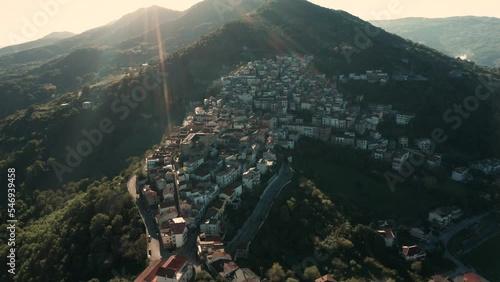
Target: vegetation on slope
475,37
86,230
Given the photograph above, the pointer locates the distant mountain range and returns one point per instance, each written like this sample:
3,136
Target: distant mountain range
129,41
138,29
44,41
473,38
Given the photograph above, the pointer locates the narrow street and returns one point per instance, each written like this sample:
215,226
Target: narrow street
189,249
147,218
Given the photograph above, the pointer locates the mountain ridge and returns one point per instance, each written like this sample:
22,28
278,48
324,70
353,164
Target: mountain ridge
475,37
284,27
48,39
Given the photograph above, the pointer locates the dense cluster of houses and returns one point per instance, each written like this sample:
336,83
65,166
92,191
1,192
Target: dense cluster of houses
230,140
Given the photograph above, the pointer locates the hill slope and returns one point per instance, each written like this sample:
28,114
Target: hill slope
475,38
44,41
129,26
127,42
336,40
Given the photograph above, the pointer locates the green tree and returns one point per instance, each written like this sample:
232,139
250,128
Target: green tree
416,266
98,223
430,182
203,276
311,273
276,273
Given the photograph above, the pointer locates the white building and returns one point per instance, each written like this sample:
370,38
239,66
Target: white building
399,157
193,163
362,144
460,174
444,215
388,236
87,105
227,176
411,253
210,226
251,178
421,233
269,155
434,161
178,228
424,144
404,119
263,166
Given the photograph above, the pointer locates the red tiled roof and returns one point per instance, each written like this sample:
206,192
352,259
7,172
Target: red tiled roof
175,262
409,251
166,272
325,278
434,158
460,169
221,255
230,266
228,191
149,274
472,277
387,233
218,204
210,237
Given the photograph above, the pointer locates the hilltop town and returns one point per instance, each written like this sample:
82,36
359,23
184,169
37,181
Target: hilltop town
238,140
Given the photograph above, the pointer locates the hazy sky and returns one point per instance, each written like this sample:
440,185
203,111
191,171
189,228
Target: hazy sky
27,20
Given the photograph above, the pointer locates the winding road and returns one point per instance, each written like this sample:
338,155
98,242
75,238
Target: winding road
446,236
254,222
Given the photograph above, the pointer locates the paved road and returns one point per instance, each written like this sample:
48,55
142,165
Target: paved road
259,214
147,218
450,233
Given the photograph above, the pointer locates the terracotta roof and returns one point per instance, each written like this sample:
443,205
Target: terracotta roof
218,204
221,255
434,158
325,278
472,277
166,272
230,267
460,169
228,191
209,237
175,262
409,251
387,233
149,274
